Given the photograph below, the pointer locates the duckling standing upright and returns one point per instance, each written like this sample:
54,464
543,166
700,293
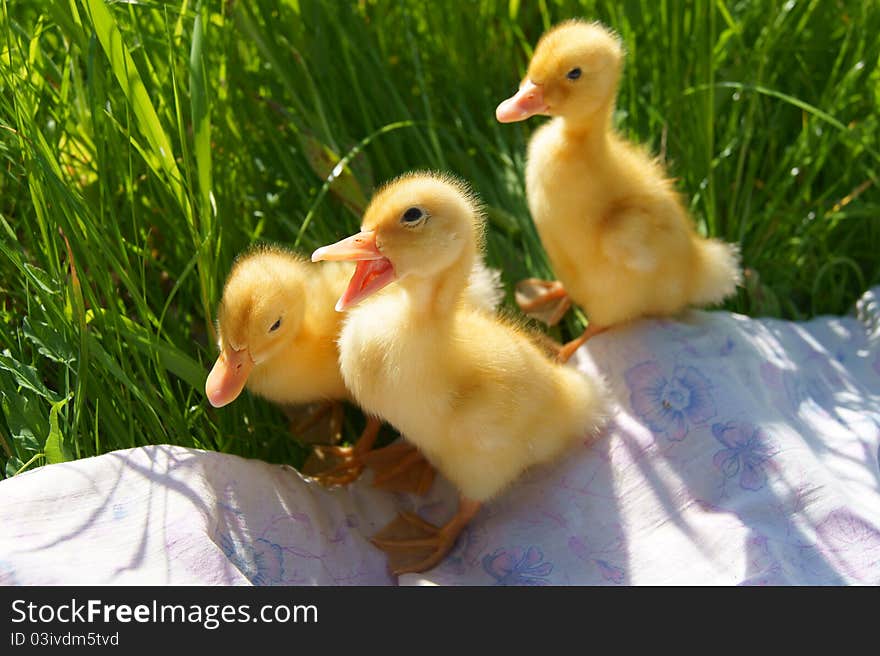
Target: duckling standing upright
476,395
277,334
616,232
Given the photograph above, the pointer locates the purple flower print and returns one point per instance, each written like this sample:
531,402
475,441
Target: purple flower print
668,405
517,568
581,548
745,454
610,572
850,544
762,566
843,530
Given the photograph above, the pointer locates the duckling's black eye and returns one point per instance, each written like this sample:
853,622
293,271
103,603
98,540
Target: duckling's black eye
412,215
275,326
573,74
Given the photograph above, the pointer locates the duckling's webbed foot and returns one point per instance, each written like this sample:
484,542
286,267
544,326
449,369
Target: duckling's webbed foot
414,545
341,465
400,467
544,300
568,349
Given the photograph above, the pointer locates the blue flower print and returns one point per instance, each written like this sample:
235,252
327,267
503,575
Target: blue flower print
7,574
465,554
745,454
517,568
727,347
261,562
669,404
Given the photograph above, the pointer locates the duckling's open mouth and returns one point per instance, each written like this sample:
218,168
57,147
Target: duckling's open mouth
373,271
369,277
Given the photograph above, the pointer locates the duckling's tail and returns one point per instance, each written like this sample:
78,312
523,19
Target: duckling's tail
485,289
588,396
581,408
717,271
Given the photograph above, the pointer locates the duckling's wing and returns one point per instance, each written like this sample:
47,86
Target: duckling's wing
629,239
485,289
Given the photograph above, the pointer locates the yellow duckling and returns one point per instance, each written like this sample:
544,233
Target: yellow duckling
617,234
471,391
277,334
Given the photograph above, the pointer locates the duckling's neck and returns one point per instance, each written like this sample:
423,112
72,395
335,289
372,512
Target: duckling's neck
435,297
592,133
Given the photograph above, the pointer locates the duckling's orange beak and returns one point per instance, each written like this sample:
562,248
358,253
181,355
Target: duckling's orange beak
373,271
528,101
228,376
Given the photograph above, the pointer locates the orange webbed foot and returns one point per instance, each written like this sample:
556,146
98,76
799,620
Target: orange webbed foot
569,348
544,300
414,545
333,465
341,465
400,467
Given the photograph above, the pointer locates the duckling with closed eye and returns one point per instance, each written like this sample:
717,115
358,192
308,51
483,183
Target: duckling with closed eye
277,335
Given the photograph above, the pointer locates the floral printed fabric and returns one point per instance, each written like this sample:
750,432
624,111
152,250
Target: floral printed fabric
741,452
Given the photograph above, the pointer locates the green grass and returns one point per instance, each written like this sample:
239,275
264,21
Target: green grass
145,144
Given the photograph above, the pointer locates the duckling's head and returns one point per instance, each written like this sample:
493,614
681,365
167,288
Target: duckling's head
262,308
573,73
419,226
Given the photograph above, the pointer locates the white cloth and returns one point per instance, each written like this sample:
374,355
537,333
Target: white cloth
742,451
